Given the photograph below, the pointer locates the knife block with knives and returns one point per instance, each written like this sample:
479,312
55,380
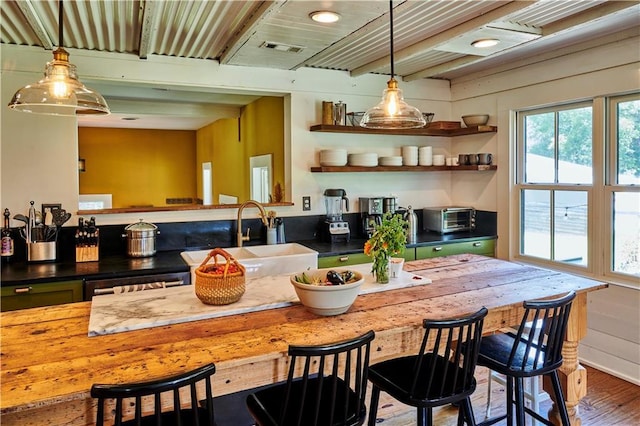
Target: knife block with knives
87,240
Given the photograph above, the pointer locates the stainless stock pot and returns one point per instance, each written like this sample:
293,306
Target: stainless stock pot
141,239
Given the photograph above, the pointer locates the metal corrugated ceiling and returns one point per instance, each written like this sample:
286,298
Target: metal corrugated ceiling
234,32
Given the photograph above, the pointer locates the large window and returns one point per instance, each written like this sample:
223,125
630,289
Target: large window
578,180
623,184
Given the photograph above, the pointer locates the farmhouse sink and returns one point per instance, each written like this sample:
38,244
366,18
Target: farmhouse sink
262,261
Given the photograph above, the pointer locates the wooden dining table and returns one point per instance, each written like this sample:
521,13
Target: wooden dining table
49,362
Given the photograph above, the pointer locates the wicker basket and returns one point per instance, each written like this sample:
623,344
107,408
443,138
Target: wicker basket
219,289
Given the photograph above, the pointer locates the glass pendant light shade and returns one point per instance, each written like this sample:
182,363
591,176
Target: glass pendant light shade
59,92
393,112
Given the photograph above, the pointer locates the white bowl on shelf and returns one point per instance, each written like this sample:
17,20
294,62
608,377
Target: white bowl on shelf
333,157
365,159
475,119
327,300
395,160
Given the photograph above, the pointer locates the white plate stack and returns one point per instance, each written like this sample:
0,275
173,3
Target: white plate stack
391,161
410,155
333,157
365,159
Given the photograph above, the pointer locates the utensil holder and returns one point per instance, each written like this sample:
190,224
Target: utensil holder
41,251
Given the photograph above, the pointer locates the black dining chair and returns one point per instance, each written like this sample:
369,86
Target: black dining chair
535,349
326,386
129,399
441,373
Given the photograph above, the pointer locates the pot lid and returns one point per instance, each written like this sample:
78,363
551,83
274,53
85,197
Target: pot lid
141,226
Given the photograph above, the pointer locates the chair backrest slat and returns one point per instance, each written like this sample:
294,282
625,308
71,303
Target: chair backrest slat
448,354
139,392
540,336
319,392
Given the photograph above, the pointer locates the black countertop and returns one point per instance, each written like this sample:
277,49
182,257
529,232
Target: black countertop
119,266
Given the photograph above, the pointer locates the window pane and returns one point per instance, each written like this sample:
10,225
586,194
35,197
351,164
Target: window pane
575,146
536,223
628,125
626,233
539,144
570,227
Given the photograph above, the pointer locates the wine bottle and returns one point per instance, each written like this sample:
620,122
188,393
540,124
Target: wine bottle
7,240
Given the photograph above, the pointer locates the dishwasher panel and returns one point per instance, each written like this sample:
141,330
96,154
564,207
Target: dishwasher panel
137,283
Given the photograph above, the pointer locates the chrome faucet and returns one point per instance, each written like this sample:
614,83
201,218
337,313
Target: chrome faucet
263,216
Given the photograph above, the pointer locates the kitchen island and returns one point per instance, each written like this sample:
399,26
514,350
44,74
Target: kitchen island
49,363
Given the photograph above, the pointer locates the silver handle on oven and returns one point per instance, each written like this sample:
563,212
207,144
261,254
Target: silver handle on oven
110,290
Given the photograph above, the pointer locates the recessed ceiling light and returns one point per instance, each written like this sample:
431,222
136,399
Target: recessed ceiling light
324,16
485,42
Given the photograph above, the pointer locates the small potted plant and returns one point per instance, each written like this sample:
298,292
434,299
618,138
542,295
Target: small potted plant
388,239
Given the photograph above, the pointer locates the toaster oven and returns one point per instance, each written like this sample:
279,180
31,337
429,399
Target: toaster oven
448,219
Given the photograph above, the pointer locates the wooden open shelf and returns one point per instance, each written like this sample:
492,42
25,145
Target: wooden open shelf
339,169
329,128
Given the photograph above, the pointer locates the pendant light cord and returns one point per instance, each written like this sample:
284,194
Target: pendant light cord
60,19
390,35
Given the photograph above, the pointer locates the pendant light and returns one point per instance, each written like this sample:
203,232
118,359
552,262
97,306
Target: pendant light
392,112
59,92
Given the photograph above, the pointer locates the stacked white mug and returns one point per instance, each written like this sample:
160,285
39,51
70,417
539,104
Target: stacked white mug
410,155
425,156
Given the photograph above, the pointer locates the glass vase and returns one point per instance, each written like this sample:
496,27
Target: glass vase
381,269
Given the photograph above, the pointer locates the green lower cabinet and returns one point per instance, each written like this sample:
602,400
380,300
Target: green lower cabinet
46,294
483,247
355,259
343,260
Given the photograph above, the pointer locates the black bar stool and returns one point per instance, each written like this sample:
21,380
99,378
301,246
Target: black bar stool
331,390
198,413
434,377
534,350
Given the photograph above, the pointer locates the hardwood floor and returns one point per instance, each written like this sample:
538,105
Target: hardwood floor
609,402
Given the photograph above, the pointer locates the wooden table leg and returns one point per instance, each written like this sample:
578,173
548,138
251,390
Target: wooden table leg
573,376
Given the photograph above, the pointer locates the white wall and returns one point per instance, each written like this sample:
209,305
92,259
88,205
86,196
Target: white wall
613,340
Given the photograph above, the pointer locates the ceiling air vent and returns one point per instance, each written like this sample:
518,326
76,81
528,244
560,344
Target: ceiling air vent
281,47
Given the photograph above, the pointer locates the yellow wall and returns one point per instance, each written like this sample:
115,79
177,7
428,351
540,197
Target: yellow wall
138,166
261,132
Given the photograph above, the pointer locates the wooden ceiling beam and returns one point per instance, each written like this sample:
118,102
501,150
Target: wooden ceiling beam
431,42
263,12
148,23
26,7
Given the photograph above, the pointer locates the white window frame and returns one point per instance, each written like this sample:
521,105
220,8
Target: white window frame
599,194
519,186
611,186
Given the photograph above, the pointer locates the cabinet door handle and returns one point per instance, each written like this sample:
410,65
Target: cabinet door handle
437,248
343,259
23,290
477,244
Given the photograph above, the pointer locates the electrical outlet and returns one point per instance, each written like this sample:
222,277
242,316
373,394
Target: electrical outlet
306,203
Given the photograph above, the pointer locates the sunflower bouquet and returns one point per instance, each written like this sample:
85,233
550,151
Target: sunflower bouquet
388,239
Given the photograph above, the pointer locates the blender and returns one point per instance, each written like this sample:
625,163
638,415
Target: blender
336,229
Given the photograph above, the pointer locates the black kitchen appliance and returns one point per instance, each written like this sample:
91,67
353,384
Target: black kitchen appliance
371,210
335,229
